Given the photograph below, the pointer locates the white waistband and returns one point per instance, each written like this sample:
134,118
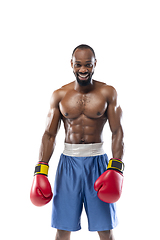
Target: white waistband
83,150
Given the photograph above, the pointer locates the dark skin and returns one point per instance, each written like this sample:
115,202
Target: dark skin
84,106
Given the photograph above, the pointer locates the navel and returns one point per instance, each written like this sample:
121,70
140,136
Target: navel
66,114
98,113
82,140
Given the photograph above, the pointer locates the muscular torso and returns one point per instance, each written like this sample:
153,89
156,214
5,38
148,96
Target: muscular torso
84,115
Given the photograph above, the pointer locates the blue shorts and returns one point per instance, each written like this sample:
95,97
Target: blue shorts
74,186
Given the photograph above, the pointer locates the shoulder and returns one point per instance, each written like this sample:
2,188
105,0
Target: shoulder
109,92
59,94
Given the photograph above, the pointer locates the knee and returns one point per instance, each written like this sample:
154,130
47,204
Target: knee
62,235
106,235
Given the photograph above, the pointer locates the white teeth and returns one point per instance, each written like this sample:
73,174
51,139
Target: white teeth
83,76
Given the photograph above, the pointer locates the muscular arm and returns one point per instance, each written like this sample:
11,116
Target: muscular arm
114,114
52,127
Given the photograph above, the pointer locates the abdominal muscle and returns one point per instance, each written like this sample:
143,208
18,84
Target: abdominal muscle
83,130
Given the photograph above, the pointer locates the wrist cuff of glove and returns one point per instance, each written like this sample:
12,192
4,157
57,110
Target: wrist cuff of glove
41,168
116,164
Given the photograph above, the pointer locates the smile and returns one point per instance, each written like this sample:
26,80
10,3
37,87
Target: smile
83,76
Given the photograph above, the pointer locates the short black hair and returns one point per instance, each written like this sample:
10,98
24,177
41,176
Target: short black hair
84,46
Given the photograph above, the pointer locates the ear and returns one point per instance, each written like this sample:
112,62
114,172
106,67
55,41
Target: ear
71,63
95,62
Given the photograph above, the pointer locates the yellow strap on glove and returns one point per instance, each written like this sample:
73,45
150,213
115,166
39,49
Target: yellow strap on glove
41,168
116,164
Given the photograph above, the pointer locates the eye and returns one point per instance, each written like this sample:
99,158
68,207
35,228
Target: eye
89,65
77,65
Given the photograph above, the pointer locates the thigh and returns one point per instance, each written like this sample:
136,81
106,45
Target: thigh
106,235
101,216
63,235
67,200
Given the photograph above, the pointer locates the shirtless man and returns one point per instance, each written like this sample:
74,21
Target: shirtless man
84,106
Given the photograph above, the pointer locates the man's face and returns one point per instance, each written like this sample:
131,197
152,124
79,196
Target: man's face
83,64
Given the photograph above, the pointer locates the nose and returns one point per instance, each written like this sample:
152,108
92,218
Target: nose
83,69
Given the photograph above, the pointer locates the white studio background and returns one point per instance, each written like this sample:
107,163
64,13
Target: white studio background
36,42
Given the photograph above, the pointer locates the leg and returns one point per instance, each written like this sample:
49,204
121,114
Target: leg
106,235
62,235
66,190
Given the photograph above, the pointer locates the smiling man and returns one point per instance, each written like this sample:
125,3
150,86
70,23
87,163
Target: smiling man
84,76
84,176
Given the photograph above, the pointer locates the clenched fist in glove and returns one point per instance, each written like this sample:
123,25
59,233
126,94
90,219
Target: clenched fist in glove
109,184
41,192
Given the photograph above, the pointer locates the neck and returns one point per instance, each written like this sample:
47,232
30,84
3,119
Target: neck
84,89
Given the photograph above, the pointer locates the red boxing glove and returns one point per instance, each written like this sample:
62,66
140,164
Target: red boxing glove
109,184
41,192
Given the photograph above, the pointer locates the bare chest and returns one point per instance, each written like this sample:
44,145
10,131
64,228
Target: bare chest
92,105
